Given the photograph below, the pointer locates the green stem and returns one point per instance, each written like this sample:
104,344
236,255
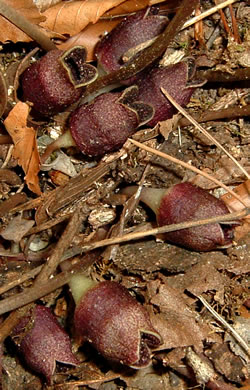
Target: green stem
79,285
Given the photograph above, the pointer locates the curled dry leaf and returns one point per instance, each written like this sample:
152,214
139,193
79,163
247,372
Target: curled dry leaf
8,31
243,190
90,36
24,139
72,17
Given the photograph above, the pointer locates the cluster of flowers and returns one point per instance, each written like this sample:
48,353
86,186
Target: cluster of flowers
103,125
106,315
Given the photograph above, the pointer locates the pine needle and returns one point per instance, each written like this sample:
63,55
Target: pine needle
236,335
202,130
207,13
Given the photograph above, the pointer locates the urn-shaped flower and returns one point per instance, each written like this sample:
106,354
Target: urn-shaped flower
116,324
43,342
57,80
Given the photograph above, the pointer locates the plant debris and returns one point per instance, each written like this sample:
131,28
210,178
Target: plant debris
184,311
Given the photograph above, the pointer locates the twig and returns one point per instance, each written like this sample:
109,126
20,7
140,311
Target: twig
29,28
224,21
207,13
41,289
217,76
236,335
226,113
187,166
61,246
166,229
234,24
202,130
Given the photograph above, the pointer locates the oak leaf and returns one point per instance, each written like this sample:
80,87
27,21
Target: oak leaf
25,149
72,17
8,31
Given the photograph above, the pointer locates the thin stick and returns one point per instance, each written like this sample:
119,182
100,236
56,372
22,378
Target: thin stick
202,130
63,243
234,24
207,13
29,28
27,275
187,166
218,76
166,229
226,113
224,323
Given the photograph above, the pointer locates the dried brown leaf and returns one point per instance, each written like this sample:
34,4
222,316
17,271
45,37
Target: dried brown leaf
17,228
128,7
176,322
8,31
72,17
135,5
24,139
90,36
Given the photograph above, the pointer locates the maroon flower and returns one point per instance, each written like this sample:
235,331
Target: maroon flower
116,324
104,124
42,342
57,80
174,79
131,32
186,202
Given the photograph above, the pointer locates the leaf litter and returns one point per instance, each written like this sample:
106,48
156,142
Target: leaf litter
168,280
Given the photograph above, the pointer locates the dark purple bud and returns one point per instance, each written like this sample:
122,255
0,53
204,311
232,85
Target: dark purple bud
42,342
133,31
116,324
104,124
186,202
174,79
57,80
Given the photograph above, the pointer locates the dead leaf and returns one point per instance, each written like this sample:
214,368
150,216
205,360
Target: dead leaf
8,31
17,228
129,6
24,139
176,322
72,17
136,5
90,36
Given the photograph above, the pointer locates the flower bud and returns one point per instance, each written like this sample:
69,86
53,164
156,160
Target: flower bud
42,342
186,202
110,319
133,31
57,80
175,79
104,124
